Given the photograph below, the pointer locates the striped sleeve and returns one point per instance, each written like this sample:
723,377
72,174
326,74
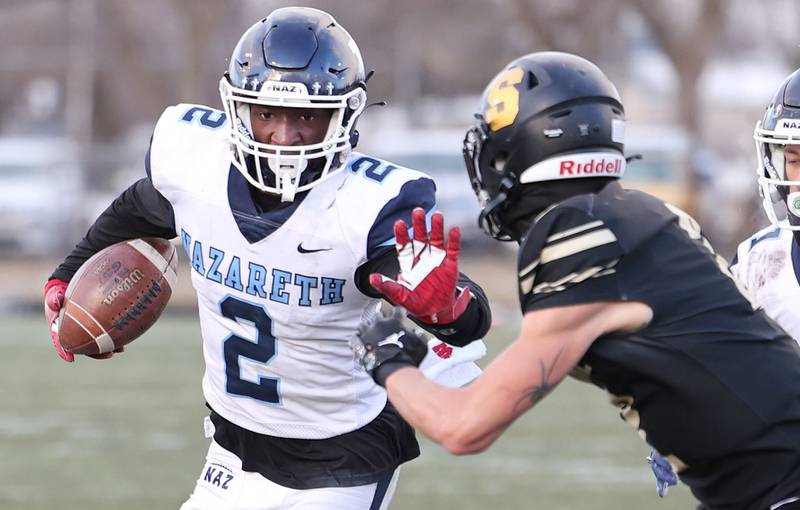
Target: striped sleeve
568,257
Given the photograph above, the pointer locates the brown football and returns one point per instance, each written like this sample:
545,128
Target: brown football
117,295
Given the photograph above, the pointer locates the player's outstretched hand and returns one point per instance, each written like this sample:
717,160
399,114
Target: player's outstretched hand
382,345
426,284
54,291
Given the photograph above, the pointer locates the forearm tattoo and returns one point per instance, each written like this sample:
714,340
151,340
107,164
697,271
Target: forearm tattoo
540,390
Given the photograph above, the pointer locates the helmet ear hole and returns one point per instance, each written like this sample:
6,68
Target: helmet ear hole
533,81
498,162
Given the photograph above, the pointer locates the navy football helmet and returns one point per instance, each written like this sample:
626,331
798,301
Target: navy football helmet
546,116
779,127
301,58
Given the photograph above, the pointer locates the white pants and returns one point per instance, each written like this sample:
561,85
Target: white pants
224,486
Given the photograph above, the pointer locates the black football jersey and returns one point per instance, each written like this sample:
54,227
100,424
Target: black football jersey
711,382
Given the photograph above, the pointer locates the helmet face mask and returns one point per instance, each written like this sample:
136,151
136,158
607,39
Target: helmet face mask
488,202
777,138
296,58
546,116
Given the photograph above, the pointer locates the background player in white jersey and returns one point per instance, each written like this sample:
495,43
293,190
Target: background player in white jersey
768,263
285,226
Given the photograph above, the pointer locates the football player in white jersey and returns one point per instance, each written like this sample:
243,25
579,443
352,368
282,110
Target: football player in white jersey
287,230
768,263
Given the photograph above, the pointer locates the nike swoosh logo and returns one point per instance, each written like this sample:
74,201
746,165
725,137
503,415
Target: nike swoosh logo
303,250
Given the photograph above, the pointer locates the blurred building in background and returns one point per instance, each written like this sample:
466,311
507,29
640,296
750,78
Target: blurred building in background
85,80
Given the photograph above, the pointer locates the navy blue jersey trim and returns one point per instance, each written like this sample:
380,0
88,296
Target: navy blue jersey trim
380,491
254,225
417,193
796,261
772,234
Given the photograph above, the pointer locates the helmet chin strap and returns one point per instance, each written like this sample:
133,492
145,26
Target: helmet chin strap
489,220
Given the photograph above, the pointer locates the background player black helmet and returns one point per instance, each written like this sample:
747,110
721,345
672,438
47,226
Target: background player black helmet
302,58
545,117
779,127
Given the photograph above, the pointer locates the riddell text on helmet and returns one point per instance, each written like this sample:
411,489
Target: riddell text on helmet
594,167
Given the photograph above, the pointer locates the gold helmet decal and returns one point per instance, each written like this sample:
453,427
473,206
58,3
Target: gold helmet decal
502,99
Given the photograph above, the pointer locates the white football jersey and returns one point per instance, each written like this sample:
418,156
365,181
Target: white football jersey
768,264
277,311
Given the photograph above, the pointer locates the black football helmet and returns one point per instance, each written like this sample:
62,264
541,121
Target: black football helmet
302,58
546,116
779,127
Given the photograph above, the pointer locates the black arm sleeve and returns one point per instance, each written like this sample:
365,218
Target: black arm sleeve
140,211
472,325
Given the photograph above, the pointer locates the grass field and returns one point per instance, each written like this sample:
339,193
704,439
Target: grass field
127,434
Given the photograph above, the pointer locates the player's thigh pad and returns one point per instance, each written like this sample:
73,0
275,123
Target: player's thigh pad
224,486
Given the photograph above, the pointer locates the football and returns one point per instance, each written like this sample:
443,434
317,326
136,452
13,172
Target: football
117,295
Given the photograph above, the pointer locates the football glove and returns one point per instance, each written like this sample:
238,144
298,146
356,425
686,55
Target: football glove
662,469
54,291
426,284
382,345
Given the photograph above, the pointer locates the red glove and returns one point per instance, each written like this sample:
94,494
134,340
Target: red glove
426,284
53,302
54,291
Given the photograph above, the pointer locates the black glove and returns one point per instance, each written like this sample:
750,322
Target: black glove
382,345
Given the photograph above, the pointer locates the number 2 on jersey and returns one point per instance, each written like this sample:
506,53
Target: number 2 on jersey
262,350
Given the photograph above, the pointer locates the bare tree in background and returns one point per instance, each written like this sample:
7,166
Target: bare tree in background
783,36
158,53
584,27
686,32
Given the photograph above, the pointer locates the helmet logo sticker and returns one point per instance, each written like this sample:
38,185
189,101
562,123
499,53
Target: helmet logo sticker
280,87
285,87
503,99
